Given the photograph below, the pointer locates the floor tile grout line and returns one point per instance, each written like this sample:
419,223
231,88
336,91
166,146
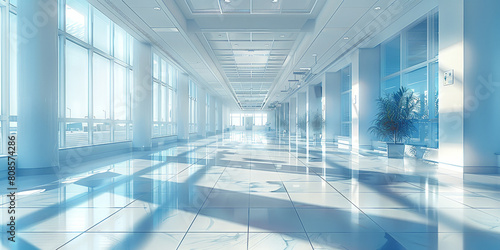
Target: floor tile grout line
93,226
248,213
125,205
342,195
201,207
298,216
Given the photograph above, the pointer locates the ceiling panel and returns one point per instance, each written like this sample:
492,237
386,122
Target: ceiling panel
346,17
154,18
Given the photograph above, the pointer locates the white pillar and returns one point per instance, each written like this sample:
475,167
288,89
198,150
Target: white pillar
331,97
183,107
220,126
293,115
211,113
38,86
142,97
469,115
202,113
365,92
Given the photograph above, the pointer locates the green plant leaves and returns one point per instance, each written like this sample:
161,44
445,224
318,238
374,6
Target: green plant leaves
395,119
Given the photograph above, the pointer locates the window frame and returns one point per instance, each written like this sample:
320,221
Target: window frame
113,123
432,87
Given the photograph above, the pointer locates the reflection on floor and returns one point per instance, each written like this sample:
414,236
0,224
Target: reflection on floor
253,191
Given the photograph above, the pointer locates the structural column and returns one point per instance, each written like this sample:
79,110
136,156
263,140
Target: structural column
183,107
38,86
211,111
220,125
202,113
331,101
469,116
293,115
142,97
365,92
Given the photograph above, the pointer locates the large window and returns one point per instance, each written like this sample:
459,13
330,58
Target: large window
411,59
238,119
96,69
346,101
193,107
8,74
164,93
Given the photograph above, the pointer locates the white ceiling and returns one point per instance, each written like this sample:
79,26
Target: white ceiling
245,51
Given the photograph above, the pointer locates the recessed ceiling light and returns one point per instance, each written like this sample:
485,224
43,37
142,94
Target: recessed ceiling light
157,8
346,38
227,1
275,1
282,36
378,8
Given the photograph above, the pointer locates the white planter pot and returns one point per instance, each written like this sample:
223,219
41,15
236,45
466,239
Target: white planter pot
395,150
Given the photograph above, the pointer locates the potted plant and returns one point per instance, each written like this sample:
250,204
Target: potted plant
316,124
302,125
394,121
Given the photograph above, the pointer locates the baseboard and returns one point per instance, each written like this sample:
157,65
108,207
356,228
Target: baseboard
37,171
481,170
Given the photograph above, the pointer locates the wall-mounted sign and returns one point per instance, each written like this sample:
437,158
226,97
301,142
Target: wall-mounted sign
449,77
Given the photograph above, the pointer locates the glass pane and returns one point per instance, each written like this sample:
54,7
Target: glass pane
155,102
101,133
346,83
102,31
13,2
13,65
120,43
156,66
391,56
77,14
101,93
390,86
170,105
131,50
129,93
172,75
77,134
77,81
120,133
164,103
156,130
164,71
416,44
346,129
345,106
163,129
120,93
435,92
417,82
130,131
435,35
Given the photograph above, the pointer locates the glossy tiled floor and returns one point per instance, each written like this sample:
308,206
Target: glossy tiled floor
250,191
